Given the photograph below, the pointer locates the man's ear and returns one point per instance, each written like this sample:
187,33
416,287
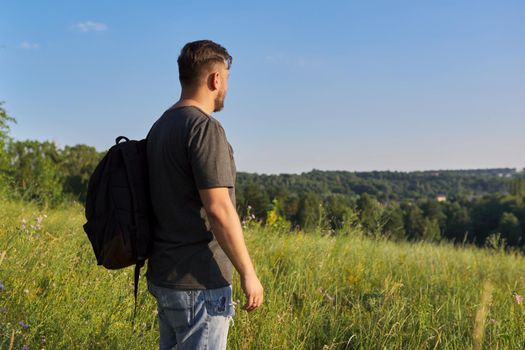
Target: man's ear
214,81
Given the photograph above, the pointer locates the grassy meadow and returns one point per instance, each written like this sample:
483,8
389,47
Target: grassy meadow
343,291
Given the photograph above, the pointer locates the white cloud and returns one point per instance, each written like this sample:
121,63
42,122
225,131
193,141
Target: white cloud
90,26
29,46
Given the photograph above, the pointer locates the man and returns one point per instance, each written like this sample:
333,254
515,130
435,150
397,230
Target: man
197,234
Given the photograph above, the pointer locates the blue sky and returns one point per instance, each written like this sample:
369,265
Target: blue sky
332,85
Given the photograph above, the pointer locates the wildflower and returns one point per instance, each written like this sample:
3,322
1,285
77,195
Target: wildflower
249,206
26,291
141,334
23,325
252,216
519,298
25,347
2,287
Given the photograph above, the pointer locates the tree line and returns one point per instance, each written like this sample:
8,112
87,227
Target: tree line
477,206
480,205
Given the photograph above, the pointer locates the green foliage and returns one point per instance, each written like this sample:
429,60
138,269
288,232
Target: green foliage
510,228
76,166
370,214
485,215
394,204
4,141
275,221
394,227
34,169
433,211
414,221
386,186
321,292
309,213
457,221
253,195
4,124
496,242
431,231
338,210
517,187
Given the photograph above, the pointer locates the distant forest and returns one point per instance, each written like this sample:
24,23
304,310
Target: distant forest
485,206
460,205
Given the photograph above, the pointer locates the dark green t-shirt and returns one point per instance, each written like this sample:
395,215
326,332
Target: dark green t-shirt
187,151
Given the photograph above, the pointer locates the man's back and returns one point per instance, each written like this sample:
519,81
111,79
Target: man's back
198,236
187,151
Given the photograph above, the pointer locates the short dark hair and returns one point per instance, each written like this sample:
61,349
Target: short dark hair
197,56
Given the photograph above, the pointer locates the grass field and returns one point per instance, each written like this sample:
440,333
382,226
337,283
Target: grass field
321,292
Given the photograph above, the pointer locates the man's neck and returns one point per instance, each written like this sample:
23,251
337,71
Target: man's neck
199,103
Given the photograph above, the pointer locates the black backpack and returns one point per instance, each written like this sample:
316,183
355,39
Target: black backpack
118,208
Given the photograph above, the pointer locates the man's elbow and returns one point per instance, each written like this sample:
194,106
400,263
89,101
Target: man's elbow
218,212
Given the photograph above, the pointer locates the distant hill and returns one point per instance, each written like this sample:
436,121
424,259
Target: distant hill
388,185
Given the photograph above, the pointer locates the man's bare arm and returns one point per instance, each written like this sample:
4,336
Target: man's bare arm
226,227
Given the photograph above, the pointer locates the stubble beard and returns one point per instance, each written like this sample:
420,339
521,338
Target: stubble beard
219,102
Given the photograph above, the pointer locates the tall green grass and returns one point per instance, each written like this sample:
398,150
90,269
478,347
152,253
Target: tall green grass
342,291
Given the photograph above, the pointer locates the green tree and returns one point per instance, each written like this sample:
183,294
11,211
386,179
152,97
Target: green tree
431,231
485,214
394,227
517,187
77,163
4,123
457,221
433,211
414,221
34,169
254,195
370,214
337,209
309,211
291,208
510,228
5,139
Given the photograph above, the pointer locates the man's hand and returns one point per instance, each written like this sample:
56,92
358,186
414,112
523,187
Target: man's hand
253,290
226,227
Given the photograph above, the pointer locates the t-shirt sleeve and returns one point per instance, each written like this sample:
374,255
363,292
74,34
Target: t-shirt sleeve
209,155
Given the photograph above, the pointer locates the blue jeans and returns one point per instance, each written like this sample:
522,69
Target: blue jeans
193,318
